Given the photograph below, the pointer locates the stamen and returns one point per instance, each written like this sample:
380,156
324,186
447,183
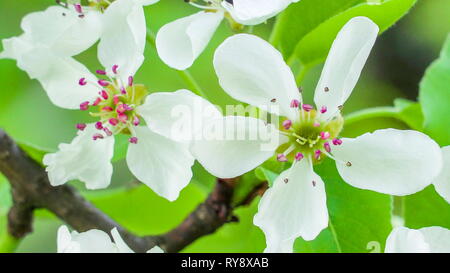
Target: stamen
107,109
295,103
307,107
324,135
136,121
101,72
81,126
316,124
122,118
116,100
133,140
323,109
99,125
130,80
337,141
97,101
123,91
84,106
113,121
287,124
103,83
281,158
299,156
327,147
97,136
107,131
104,94
78,8
114,68
317,154
82,81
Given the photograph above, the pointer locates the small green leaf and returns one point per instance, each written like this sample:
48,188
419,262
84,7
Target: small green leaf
360,220
435,97
266,175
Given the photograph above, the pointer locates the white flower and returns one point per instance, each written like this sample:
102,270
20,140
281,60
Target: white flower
94,241
180,42
66,30
388,161
424,240
114,98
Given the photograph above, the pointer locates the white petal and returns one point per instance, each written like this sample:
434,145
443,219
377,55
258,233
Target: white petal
389,161
442,182
296,208
120,244
146,2
425,240
160,163
64,241
180,42
59,77
177,115
122,41
252,71
253,12
63,30
438,239
156,249
405,240
84,159
15,47
231,146
94,241
344,64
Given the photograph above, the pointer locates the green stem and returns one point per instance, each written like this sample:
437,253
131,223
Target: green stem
275,34
8,243
185,75
376,112
304,69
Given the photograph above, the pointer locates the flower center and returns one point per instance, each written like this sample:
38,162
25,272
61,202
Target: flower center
308,135
115,105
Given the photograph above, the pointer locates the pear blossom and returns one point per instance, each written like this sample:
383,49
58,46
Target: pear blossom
111,96
114,100
67,29
425,240
390,161
93,241
180,42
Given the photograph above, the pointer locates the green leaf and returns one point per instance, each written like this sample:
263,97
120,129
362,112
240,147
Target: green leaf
241,237
266,175
302,18
306,30
435,97
426,208
360,220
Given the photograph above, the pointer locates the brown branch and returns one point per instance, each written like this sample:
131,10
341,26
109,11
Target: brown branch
31,190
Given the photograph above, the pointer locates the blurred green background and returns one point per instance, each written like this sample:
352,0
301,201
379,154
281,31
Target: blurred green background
394,70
